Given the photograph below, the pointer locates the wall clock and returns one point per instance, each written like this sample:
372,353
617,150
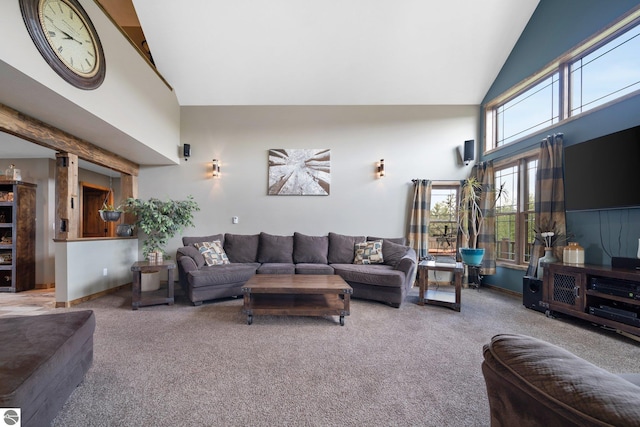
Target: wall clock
67,39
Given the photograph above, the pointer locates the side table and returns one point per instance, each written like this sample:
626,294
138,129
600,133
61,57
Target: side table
446,299
140,267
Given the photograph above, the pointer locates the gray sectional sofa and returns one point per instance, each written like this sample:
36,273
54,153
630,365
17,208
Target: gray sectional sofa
388,278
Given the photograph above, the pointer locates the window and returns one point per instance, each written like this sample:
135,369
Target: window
532,110
607,73
443,226
515,210
603,69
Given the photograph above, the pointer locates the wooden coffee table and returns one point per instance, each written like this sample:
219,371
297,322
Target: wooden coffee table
296,295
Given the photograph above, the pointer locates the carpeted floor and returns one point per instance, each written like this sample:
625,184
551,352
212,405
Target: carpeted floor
417,365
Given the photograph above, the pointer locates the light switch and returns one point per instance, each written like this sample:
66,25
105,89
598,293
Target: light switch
234,219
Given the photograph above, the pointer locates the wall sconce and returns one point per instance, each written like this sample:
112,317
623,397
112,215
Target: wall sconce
216,168
381,168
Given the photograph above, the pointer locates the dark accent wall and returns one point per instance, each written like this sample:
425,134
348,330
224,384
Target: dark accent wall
555,27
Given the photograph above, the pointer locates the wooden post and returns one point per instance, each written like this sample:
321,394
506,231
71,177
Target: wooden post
67,203
128,188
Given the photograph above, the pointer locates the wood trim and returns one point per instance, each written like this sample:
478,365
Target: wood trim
69,304
38,132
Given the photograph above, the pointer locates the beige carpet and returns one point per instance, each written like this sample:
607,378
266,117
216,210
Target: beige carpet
204,366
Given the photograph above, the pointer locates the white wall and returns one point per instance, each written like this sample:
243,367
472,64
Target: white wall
79,275
132,103
415,141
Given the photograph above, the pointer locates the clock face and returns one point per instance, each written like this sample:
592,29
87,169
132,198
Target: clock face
67,40
68,35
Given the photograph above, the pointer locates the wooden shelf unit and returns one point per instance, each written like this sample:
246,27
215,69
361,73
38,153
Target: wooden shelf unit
17,236
568,290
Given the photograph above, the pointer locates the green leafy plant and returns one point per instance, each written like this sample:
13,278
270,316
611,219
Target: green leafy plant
111,208
161,220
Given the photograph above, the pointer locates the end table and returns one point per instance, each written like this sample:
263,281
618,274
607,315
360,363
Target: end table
140,267
435,297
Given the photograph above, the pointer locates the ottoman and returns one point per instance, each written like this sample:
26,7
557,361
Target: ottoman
43,358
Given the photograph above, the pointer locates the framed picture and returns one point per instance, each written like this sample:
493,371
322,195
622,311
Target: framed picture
299,172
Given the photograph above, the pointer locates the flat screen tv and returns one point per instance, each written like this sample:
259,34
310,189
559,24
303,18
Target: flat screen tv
603,173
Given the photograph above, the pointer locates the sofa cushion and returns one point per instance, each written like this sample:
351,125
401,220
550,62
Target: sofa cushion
312,268
377,274
222,275
342,248
397,240
275,249
393,252
191,252
369,253
277,268
212,252
241,247
310,249
188,241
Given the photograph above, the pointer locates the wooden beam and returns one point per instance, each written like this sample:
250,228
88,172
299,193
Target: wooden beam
67,203
128,188
38,132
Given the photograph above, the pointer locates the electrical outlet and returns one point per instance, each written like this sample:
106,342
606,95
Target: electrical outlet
104,272
234,219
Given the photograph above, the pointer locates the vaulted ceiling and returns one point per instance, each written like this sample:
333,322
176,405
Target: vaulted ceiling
331,52
312,52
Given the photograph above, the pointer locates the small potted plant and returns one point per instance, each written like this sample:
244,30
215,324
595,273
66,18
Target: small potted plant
109,213
160,221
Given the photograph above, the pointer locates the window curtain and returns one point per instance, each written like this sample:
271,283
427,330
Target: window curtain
549,204
487,236
420,217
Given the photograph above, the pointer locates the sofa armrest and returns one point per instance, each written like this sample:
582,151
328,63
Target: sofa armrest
188,259
407,265
531,382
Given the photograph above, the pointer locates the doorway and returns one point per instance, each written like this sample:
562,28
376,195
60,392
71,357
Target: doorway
93,197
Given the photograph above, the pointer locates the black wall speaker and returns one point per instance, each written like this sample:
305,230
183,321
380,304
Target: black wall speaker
186,150
469,146
532,293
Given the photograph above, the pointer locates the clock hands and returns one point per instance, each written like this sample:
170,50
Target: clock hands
68,37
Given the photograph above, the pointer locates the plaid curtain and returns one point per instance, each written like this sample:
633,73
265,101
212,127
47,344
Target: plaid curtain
420,217
487,236
549,205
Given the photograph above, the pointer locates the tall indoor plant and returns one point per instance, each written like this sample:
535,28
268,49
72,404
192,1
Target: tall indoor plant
471,219
161,220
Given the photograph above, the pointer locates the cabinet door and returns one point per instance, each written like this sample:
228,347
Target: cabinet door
567,291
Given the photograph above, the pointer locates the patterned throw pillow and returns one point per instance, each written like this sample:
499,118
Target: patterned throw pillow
212,252
369,253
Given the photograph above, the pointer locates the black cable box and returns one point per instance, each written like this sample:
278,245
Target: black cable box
618,317
626,263
617,287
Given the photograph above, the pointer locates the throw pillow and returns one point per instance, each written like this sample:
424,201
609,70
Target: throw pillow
369,253
212,252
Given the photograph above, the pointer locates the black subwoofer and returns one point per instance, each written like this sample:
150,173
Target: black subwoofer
532,293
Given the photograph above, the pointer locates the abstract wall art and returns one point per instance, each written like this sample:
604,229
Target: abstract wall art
299,172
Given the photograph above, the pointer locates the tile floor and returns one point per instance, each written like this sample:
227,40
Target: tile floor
36,301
